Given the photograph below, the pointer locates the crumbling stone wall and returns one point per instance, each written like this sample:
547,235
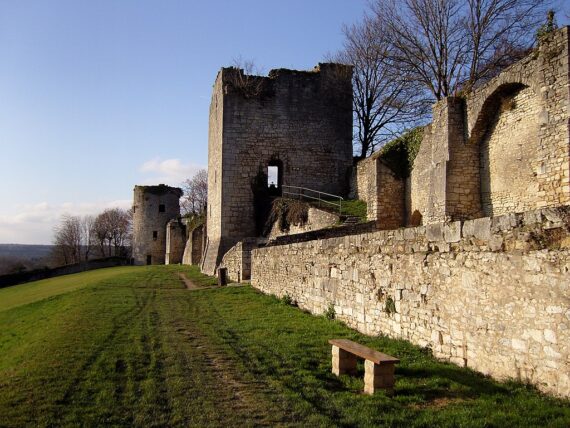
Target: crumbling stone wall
503,148
491,293
175,242
383,191
153,208
300,120
238,260
364,181
316,219
194,246
390,214
510,150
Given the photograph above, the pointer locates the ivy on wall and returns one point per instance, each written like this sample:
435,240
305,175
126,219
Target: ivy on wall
400,153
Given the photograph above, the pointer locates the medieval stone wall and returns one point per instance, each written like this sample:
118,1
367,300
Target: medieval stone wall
504,148
383,192
153,208
491,294
418,184
299,121
392,214
545,75
510,156
194,246
364,182
238,260
214,247
175,242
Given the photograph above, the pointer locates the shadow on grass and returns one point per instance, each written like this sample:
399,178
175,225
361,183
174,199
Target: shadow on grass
439,379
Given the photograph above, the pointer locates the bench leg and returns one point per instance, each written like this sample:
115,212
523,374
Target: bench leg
342,361
378,376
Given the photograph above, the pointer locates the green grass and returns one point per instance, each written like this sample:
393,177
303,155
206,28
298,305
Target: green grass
349,207
137,348
194,275
22,294
355,208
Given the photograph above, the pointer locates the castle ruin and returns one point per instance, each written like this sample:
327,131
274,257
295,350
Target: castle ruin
297,122
467,253
153,208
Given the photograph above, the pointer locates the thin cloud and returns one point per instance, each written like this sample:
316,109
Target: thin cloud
34,223
168,171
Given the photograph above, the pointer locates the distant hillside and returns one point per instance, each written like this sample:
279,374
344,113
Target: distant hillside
29,252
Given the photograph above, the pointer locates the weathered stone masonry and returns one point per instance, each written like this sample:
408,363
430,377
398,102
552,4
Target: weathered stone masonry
503,148
299,121
492,293
153,208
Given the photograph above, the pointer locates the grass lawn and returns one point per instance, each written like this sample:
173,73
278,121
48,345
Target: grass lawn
355,208
138,348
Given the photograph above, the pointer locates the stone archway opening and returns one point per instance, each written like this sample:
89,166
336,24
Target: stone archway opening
275,177
506,134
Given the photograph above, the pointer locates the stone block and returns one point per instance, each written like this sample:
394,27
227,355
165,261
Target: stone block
452,232
503,223
378,376
468,229
343,362
434,232
482,228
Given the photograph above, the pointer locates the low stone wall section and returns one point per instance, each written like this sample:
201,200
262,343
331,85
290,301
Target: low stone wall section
351,229
238,260
492,294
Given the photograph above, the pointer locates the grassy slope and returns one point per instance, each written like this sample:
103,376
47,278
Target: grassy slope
33,291
140,349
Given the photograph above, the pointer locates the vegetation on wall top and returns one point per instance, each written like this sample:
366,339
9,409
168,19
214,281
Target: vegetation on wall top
160,189
285,212
400,153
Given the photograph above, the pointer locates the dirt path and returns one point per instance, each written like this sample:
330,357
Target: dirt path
189,284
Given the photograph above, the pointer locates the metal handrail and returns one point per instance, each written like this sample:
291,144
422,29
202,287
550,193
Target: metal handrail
296,191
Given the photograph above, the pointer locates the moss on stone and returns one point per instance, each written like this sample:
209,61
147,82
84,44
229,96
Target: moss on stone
400,153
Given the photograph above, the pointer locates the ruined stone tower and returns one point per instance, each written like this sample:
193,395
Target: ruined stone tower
153,208
298,123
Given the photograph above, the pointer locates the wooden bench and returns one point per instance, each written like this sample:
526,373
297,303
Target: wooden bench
378,367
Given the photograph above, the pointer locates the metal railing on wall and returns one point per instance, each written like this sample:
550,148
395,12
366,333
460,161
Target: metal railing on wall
322,198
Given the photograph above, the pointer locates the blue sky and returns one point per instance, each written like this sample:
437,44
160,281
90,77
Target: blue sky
98,96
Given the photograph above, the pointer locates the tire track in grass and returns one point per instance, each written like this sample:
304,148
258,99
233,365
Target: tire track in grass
118,322
233,394
263,368
212,370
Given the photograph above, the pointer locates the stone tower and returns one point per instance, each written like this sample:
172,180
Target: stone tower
295,126
153,208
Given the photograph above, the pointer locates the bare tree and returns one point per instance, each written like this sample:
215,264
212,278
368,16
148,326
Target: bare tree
499,32
448,45
87,231
384,101
68,240
195,193
101,234
111,232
